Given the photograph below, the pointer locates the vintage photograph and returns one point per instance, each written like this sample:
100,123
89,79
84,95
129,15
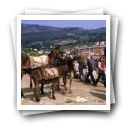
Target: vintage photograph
64,61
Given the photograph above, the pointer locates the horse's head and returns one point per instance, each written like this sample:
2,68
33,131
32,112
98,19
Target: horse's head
58,55
70,62
55,56
24,61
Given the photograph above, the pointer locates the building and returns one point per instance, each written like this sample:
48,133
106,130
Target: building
35,50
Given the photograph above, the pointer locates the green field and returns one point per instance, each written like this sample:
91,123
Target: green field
31,53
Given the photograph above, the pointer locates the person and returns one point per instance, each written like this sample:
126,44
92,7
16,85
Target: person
105,51
91,67
101,71
80,61
76,68
95,69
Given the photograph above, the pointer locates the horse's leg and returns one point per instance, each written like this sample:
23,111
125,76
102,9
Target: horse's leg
65,82
58,85
70,83
22,95
36,90
21,76
30,82
22,72
53,89
41,89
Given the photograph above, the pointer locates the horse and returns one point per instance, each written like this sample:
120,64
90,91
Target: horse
40,78
68,72
25,60
57,63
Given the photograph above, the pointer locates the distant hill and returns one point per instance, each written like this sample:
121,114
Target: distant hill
47,36
28,28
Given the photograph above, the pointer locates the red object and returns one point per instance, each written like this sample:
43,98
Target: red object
102,65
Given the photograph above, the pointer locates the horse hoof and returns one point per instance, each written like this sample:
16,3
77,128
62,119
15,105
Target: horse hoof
37,100
42,93
22,96
70,92
58,89
54,98
63,93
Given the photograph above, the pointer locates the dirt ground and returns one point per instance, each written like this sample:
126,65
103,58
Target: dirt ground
91,95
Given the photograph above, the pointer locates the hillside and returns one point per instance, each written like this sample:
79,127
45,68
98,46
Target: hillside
46,36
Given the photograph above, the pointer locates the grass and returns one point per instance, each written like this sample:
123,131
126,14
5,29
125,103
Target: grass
69,101
32,53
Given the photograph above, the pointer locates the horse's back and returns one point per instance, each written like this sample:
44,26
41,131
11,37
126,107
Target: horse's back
45,73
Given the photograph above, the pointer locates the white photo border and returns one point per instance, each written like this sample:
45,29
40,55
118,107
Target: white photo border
63,107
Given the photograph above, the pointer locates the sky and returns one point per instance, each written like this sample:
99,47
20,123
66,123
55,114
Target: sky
86,24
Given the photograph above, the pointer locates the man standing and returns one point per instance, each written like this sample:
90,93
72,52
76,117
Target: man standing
80,61
91,66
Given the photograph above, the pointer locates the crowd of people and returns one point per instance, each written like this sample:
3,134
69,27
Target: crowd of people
95,67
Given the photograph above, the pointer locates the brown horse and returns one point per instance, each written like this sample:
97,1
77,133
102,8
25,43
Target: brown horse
25,60
68,73
39,78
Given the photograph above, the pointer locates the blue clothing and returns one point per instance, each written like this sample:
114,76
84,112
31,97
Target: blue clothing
55,62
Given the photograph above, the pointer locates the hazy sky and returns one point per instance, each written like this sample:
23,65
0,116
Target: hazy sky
88,24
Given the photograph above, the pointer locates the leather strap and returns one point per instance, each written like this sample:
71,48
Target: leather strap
41,61
39,74
53,71
43,72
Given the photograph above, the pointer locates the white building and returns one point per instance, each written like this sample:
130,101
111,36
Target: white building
40,52
35,50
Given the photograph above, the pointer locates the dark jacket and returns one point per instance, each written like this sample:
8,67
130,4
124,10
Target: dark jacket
91,64
105,52
80,64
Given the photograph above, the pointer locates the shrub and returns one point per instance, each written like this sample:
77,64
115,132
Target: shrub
69,101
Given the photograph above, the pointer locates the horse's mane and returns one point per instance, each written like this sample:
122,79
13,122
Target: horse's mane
50,54
61,53
69,63
24,59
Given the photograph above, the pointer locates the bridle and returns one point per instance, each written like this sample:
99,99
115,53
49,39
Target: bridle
57,55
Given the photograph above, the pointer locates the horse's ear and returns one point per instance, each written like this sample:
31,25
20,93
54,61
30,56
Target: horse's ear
50,53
